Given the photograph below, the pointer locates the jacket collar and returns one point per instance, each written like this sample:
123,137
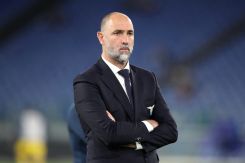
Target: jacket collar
113,84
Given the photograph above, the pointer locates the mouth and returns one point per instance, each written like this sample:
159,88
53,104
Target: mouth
124,49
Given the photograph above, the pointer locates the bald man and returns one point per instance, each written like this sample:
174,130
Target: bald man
122,112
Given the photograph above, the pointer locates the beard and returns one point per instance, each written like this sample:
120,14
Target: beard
121,57
116,54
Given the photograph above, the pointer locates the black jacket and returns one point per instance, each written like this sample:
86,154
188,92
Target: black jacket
98,90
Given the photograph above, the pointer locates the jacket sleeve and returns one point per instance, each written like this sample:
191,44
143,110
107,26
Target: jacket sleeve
92,111
166,132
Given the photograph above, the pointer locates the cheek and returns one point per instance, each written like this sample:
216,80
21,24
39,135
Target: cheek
131,40
115,43
132,43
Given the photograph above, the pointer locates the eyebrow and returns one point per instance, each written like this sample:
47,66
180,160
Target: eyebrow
121,31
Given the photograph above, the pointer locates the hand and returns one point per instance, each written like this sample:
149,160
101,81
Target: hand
110,116
153,123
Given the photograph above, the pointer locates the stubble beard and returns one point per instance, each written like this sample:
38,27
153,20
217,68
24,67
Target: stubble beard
120,57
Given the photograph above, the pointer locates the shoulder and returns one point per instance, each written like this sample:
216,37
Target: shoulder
145,76
142,72
89,75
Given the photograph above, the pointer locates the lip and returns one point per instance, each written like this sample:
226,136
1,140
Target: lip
124,49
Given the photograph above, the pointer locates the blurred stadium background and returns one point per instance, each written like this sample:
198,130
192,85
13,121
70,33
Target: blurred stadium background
196,49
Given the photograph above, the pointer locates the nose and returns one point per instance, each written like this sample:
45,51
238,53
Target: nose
125,39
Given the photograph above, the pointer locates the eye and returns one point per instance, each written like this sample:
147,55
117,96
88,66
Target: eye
130,33
117,32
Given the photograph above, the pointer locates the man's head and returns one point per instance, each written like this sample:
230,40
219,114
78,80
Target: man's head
116,37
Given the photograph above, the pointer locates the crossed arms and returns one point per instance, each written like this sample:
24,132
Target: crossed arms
93,112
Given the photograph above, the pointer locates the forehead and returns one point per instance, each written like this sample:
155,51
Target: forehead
119,22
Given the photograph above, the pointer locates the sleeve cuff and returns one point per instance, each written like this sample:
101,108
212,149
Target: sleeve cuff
138,146
148,126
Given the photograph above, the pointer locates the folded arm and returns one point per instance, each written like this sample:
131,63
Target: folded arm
166,132
92,111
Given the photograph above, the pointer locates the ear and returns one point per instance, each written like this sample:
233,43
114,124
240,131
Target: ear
100,37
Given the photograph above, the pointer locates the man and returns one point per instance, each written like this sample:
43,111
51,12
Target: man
77,137
120,106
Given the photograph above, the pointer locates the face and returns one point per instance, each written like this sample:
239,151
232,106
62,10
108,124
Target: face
117,38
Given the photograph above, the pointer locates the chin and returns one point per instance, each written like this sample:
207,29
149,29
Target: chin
124,57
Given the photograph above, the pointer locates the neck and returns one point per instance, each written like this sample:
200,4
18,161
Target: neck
120,65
